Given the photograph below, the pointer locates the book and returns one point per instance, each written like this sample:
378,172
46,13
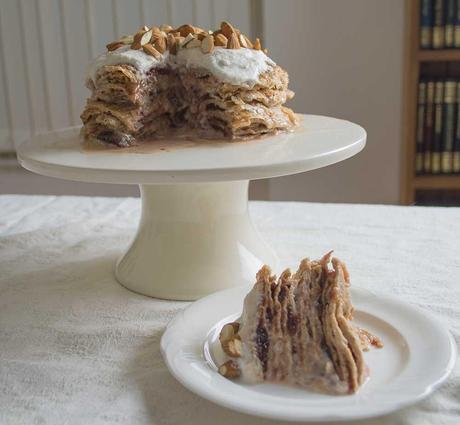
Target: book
437,125
448,127
426,23
438,24
456,149
421,103
449,27
457,26
428,127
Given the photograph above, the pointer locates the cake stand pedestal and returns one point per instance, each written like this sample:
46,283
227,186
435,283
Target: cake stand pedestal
192,239
195,235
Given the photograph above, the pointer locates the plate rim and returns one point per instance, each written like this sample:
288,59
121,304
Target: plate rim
382,410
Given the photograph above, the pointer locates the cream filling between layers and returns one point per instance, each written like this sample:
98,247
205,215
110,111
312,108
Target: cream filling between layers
241,67
249,364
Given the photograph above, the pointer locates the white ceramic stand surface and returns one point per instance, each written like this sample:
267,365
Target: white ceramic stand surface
195,235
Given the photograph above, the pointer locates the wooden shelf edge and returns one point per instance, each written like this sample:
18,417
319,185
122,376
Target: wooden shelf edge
436,182
438,55
409,94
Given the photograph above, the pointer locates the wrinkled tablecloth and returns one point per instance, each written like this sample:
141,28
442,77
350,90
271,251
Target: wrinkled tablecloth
77,348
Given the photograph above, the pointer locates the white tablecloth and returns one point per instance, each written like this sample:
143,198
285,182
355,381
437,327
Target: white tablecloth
77,348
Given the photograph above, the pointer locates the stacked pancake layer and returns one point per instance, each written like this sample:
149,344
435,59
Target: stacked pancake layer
298,331
225,90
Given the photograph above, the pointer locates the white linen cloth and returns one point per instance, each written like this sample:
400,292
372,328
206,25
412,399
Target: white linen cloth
77,348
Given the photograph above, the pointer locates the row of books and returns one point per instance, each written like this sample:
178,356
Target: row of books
438,127
439,24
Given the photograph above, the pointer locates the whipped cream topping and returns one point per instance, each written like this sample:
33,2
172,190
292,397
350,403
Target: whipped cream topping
234,66
138,58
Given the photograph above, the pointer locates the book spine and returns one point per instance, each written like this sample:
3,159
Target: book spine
456,153
421,103
438,24
437,124
457,25
449,28
426,23
428,127
448,131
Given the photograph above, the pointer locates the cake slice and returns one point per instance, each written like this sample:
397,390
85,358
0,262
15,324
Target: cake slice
297,330
215,84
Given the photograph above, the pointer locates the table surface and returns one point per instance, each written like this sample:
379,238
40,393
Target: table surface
77,348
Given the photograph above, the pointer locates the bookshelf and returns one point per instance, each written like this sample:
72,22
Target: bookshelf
415,60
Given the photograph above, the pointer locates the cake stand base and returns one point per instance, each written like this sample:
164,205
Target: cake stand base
193,239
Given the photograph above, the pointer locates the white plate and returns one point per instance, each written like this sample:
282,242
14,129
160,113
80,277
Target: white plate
320,141
418,356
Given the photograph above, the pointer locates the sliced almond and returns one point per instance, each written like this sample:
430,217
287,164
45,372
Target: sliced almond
136,45
171,42
228,331
160,44
114,46
175,33
137,37
265,51
230,369
185,30
233,42
201,35
145,28
227,29
248,42
220,40
150,50
233,346
207,45
156,32
146,37
257,45
242,41
188,39
193,44
166,28
157,35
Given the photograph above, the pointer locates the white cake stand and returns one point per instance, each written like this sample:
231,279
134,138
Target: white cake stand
195,235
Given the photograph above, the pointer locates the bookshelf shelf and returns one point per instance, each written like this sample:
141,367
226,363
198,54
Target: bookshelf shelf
438,55
418,62
436,182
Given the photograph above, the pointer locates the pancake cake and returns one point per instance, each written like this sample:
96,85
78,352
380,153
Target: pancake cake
217,84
